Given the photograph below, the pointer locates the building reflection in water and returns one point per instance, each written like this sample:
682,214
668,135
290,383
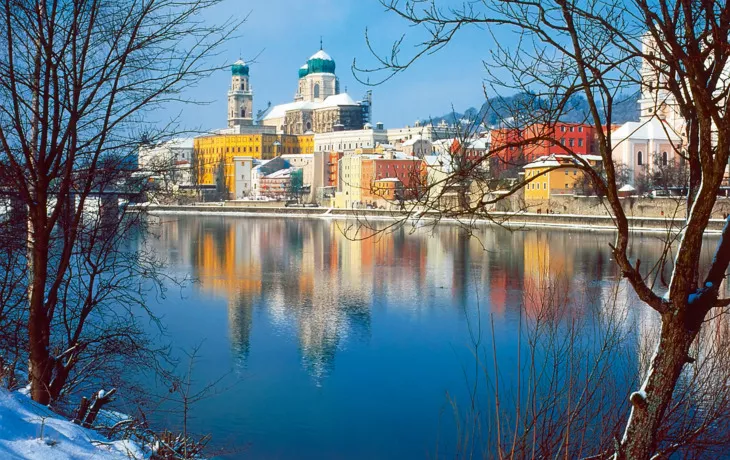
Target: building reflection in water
305,277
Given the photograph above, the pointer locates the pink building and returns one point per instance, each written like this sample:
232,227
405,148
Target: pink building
645,146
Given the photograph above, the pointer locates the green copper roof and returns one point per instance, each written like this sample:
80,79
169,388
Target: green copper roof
239,68
320,62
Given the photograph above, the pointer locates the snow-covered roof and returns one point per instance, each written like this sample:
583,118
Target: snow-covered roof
551,161
303,156
412,141
388,179
403,156
336,100
279,111
627,188
478,144
239,62
321,55
282,173
653,129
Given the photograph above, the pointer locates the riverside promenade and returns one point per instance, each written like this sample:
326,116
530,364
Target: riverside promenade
513,220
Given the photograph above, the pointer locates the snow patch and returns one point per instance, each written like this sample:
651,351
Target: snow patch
29,430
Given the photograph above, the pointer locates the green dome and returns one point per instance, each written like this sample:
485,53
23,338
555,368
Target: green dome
303,71
239,68
320,62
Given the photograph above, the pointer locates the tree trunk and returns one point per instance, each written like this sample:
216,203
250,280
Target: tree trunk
41,367
650,403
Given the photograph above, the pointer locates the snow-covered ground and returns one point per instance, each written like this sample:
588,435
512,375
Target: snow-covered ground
31,431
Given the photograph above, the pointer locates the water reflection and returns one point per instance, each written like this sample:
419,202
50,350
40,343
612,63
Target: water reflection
310,279
376,327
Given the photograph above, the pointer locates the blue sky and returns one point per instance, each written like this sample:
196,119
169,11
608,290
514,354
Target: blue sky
284,33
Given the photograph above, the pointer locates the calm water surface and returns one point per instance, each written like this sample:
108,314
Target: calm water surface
348,349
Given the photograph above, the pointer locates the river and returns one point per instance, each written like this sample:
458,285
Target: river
339,348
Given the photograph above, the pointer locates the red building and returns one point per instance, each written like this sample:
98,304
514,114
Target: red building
513,148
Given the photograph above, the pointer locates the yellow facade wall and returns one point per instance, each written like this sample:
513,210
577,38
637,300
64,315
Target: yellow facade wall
563,180
216,151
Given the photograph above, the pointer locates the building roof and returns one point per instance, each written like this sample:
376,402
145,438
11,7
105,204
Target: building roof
412,141
478,144
554,160
653,129
280,174
239,68
336,100
319,62
321,55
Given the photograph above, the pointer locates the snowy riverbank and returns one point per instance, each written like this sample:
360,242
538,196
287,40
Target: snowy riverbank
518,220
31,431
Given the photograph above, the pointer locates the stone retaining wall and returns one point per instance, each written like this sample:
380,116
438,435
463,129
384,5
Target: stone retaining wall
513,220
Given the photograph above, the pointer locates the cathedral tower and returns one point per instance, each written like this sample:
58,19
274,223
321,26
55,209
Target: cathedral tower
317,80
240,97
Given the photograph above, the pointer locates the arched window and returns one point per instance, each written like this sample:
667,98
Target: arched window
309,126
640,158
665,158
316,90
243,112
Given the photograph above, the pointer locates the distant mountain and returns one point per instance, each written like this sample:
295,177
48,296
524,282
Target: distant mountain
498,110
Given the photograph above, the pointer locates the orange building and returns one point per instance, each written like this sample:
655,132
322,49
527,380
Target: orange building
408,172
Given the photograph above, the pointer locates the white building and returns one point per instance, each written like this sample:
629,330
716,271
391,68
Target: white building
169,162
640,145
303,161
417,147
424,131
340,141
242,167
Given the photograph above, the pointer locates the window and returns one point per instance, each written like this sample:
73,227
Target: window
567,186
575,173
665,158
562,129
544,185
566,172
316,90
640,158
580,142
571,128
571,142
580,129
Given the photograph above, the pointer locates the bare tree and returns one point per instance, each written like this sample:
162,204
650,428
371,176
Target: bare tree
677,53
77,83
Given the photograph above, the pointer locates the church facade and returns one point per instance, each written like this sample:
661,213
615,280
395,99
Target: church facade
318,106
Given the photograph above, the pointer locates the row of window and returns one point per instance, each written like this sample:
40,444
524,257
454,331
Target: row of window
572,128
571,142
640,158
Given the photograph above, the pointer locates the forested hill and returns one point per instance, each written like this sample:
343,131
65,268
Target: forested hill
493,112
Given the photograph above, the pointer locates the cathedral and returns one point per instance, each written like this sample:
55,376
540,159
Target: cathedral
318,106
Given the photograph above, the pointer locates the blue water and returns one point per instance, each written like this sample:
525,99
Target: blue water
333,348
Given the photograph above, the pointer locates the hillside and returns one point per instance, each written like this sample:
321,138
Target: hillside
493,112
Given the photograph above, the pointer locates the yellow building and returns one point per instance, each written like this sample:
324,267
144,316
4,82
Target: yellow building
543,180
214,153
